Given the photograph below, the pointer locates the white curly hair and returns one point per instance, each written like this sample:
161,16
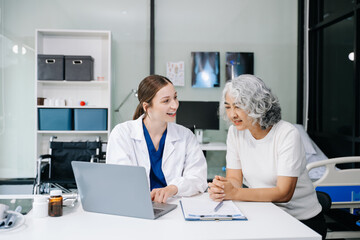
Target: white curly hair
252,95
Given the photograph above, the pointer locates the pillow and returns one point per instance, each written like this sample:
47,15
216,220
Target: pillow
306,140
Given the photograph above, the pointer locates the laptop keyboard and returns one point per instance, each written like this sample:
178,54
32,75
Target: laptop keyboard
157,211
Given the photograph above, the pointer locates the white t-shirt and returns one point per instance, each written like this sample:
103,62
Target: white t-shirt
279,153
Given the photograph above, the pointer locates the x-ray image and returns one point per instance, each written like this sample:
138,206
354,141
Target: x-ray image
205,69
238,63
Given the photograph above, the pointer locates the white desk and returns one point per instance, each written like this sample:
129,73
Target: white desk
265,221
213,146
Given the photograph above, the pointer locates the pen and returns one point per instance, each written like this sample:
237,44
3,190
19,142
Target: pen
218,206
12,217
2,222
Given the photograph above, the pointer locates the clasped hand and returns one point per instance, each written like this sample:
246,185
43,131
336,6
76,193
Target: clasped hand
161,195
220,189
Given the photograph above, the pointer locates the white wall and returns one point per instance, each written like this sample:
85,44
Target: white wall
266,27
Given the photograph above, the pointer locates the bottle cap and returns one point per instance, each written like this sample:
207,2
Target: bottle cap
40,198
55,193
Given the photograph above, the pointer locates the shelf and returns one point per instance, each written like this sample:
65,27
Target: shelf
96,93
72,132
72,83
74,33
73,107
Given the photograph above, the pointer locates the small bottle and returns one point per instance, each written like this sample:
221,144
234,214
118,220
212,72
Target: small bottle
55,203
40,206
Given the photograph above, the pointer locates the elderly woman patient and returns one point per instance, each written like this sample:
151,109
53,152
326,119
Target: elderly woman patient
266,152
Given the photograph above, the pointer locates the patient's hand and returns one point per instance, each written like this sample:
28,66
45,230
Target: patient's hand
221,188
161,195
216,189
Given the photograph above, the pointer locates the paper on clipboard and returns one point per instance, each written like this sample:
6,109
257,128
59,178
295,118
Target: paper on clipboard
203,209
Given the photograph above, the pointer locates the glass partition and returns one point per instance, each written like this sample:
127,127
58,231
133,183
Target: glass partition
129,24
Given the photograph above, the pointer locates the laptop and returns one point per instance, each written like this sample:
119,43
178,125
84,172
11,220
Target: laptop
116,189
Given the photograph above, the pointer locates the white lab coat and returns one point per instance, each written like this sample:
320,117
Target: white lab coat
183,162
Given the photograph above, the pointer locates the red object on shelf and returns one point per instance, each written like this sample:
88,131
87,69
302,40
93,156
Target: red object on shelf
82,103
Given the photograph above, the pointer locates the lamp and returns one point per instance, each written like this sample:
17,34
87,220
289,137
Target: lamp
132,92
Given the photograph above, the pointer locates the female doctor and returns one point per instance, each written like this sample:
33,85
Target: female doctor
169,152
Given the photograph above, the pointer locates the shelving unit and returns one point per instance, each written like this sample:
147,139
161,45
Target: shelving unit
96,93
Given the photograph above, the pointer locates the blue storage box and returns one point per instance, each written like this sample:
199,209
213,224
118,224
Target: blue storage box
90,119
57,119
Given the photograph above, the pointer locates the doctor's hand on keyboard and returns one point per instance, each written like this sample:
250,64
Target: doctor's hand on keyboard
161,195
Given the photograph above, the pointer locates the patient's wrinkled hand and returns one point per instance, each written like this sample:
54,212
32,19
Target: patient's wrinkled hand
216,189
221,189
161,195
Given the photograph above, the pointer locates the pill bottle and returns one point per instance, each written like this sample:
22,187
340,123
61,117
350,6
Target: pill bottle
55,203
40,206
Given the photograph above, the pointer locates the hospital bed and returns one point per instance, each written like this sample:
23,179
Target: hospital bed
343,186
338,189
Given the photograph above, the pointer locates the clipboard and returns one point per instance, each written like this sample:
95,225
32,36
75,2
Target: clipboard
195,209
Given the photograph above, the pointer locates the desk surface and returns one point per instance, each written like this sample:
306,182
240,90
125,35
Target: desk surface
265,221
213,146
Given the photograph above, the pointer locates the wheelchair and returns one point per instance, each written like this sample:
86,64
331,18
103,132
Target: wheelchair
54,170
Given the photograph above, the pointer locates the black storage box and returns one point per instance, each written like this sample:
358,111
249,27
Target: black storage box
50,67
79,68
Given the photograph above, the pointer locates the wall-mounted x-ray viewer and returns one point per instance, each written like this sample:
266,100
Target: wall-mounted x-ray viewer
238,63
205,69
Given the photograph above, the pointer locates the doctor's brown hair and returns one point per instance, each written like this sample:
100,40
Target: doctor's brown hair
147,90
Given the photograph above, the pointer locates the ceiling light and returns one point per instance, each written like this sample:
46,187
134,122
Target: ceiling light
15,49
351,56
